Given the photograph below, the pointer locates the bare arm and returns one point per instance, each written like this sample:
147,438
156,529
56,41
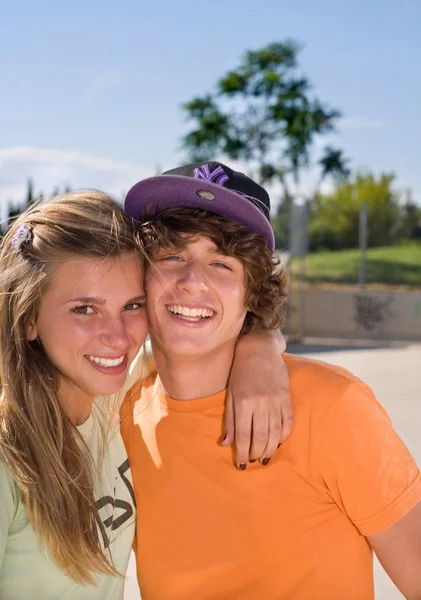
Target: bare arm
398,548
258,411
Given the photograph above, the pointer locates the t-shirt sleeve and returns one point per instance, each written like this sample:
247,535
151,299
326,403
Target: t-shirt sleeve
8,501
365,465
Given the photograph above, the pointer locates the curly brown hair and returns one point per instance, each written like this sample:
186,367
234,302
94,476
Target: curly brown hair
266,280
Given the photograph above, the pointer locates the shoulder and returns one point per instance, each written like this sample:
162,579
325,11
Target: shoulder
317,370
6,480
9,494
328,394
320,385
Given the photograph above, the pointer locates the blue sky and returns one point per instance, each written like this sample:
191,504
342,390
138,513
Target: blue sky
91,91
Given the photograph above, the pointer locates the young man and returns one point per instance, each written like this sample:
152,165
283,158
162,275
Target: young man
343,484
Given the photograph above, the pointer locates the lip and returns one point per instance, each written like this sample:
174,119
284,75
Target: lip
117,370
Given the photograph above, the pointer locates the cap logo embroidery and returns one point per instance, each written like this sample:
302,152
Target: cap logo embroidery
217,176
205,195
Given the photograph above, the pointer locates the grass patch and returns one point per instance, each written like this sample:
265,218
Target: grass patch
392,265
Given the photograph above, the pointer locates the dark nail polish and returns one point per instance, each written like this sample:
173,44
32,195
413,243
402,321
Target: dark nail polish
252,460
265,461
242,467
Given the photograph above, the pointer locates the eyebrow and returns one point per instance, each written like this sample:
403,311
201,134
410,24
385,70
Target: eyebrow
101,301
220,252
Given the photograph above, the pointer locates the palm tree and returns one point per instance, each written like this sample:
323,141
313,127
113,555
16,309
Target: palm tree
334,164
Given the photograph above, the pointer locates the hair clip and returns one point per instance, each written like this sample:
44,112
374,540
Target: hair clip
22,235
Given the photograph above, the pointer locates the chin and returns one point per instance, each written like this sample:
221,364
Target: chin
185,349
110,388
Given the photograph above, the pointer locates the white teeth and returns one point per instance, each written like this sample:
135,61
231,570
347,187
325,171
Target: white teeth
202,313
107,362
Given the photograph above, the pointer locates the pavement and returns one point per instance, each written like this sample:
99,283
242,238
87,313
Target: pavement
394,374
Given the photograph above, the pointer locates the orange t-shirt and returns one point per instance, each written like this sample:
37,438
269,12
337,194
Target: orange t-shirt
293,530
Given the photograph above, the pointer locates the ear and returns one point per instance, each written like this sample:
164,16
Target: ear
32,332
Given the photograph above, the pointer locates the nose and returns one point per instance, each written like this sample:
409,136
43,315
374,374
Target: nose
193,278
114,334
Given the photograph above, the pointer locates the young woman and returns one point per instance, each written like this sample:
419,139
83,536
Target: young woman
72,320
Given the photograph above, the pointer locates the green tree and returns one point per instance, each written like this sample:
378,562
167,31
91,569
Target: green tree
335,217
13,211
280,223
30,198
262,112
410,219
334,164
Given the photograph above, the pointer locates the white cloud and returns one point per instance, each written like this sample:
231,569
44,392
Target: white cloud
348,123
50,168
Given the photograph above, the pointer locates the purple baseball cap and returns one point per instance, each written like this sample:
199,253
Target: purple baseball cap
211,186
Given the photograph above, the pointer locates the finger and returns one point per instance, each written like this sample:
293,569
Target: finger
287,421
229,425
274,437
243,418
260,434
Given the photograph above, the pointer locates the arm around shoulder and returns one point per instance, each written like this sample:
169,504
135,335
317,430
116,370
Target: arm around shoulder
258,407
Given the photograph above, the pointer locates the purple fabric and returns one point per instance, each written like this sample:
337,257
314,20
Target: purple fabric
22,235
158,193
217,176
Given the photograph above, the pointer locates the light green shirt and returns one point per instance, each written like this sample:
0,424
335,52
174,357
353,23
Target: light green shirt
26,573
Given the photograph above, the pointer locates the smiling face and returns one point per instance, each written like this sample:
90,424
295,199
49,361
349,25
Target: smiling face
92,322
196,299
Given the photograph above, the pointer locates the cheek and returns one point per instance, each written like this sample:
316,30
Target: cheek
78,334
137,328
67,335
157,282
236,293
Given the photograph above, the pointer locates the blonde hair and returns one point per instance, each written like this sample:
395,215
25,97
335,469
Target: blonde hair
39,445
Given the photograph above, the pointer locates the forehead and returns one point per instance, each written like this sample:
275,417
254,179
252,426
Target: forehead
87,274
192,241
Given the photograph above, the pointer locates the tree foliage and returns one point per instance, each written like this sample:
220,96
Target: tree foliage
334,221
263,112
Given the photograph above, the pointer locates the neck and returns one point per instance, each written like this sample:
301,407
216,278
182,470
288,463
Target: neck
76,404
193,377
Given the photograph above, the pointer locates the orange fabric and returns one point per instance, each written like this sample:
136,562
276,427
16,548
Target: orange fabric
291,530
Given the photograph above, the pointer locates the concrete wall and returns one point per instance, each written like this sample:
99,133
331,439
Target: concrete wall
354,314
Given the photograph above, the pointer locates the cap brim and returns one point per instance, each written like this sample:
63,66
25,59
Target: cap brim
156,194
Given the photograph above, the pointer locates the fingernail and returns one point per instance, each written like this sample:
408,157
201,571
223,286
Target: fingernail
242,466
265,461
222,440
253,460
279,445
